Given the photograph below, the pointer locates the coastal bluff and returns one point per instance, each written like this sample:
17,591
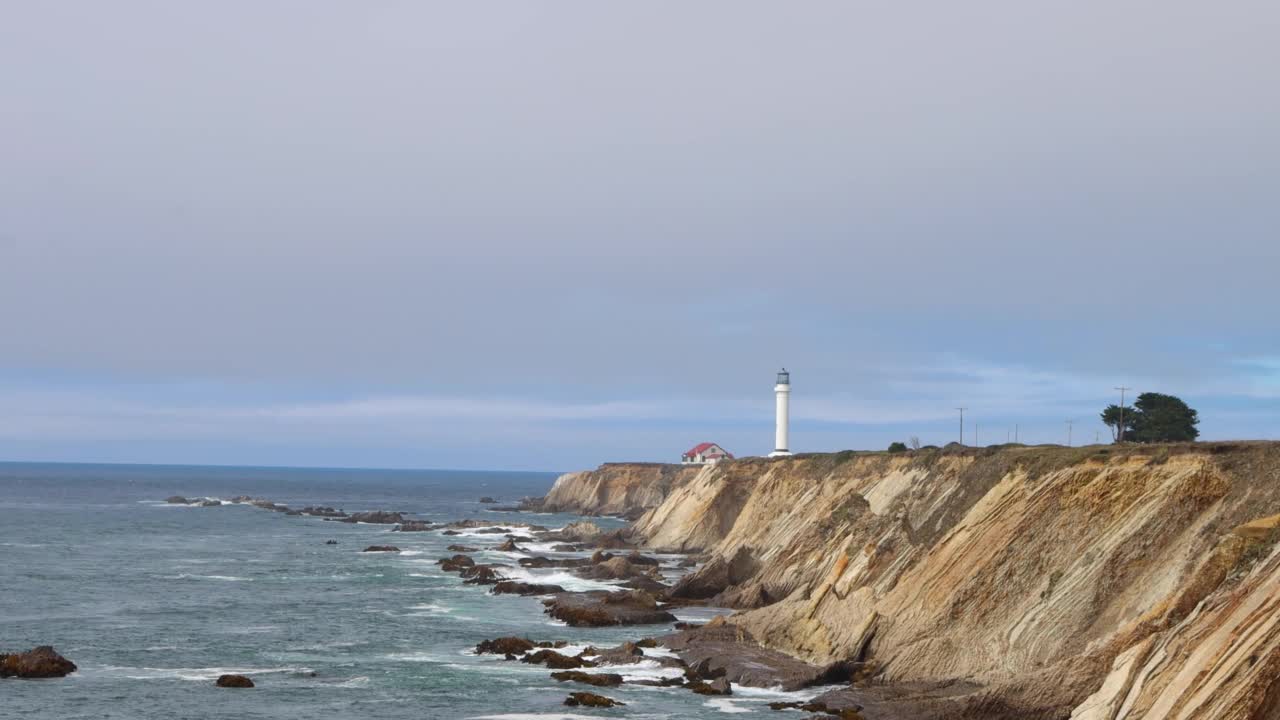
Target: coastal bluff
1093,583
621,489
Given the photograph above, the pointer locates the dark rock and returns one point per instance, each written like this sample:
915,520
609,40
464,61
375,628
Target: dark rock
505,646
556,661
515,587
455,563
481,575
450,532
317,511
647,643
38,662
687,563
488,500
375,517
546,562
211,503
586,699
234,681
381,548
462,549
596,679
177,500
723,650
719,686
414,526
564,547
717,576
600,608
647,584
509,546
330,542
493,531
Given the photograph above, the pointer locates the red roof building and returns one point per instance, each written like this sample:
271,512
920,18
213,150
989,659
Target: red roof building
704,453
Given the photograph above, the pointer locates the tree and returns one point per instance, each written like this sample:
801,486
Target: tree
897,447
1163,418
915,442
1111,418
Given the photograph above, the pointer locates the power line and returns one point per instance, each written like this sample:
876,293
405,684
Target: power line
1120,432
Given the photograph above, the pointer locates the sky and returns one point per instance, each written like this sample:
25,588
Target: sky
542,236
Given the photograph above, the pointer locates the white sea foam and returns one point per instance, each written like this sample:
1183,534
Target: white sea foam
534,716
194,674
355,682
563,578
411,553
660,652
189,576
725,705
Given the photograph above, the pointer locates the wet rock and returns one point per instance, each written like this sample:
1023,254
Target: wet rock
646,584
481,575
717,576
723,650
615,540
330,542
556,661
375,517
381,548
492,531
38,662
177,500
514,587
582,531
565,547
618,568
211,503
586,699
596,679
488,500
546,562
415,526
234,681
509,546
505,646
450,532
687,563
455,563
647,643
462,549
318,511
719,686
599,608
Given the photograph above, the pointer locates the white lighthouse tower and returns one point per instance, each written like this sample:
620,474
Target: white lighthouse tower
782,391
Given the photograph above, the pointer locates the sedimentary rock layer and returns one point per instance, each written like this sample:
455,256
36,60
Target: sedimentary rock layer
1102,583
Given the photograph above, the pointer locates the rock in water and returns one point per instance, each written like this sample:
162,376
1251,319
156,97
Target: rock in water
515,587
596,679
330,542
488,500
719,686
505,646
40,662
586,699
234,681
381,548
598,608
177,500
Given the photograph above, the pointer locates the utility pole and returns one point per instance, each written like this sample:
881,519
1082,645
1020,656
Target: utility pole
1097,435
975,433
961,424
1120,432
1069,432
1015,432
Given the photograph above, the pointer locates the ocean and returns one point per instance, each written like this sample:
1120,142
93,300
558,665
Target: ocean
153,601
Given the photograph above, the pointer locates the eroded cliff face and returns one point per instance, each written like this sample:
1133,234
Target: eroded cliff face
623,489
1099,583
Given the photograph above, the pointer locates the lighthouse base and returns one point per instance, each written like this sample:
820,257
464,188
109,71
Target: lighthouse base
780,453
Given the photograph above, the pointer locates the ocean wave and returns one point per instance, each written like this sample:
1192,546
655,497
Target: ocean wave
534,716
190,576
355,682
563,578
725,705
193,674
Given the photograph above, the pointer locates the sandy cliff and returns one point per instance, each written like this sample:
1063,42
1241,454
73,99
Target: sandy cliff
1096,583
623,489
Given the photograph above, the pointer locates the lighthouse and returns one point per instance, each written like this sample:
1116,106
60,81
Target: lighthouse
782,391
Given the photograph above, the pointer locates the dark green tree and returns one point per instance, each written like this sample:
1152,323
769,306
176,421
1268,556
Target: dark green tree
1163,418
1111,418
897,447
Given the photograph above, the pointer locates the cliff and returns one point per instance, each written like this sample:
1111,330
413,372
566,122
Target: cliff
1098,583
623,489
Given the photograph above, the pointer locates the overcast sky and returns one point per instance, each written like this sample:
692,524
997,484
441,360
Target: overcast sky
545,235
